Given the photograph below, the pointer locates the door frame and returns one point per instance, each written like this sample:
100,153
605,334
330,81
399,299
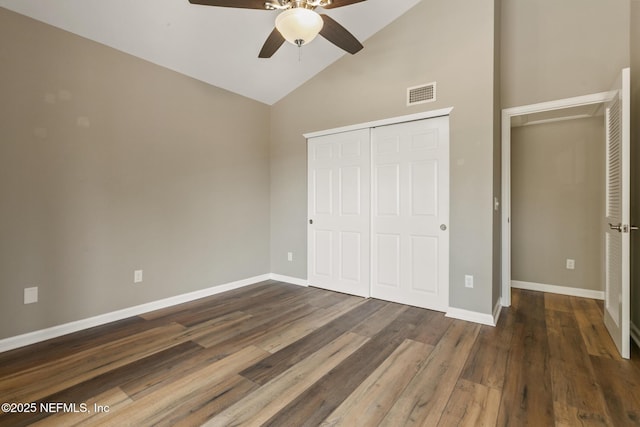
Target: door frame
507,114
383,122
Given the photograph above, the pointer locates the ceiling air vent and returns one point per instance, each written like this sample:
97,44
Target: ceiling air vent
421,94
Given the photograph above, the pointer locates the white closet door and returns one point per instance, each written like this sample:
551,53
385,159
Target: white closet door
410,213
618,215
339,169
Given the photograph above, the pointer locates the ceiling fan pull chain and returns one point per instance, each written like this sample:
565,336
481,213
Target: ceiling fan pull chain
299,42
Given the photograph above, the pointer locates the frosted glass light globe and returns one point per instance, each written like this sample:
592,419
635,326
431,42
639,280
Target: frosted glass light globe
299,26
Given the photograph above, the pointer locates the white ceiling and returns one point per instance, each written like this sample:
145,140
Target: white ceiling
214,44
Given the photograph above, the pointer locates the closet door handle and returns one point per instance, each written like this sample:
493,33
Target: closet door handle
310,221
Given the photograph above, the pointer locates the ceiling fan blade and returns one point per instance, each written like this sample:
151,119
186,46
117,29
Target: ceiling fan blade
340,3
339,35
273,43
241,4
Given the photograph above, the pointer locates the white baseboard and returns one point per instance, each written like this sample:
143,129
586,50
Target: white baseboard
472,316
635,334
67,328
555,289
288,279
11,343
497,310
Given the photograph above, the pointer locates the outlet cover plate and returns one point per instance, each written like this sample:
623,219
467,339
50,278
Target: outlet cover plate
468,281
31,295
137,276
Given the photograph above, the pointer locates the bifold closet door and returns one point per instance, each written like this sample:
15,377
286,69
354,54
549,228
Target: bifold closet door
410,213
339,168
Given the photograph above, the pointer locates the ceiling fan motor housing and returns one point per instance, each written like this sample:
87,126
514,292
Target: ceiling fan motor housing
291,4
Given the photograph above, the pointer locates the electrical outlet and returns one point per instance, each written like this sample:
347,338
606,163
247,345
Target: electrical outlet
571,264
468,281
289,256
31,295
137,276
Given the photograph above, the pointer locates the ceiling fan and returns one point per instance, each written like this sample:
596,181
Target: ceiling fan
298,23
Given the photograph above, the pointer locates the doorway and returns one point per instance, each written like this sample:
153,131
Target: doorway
558,199
517,113
617,248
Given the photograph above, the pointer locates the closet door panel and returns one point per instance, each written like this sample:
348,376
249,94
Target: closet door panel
379,212
410,164
339,168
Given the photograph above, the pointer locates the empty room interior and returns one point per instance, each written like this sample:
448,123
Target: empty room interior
425,215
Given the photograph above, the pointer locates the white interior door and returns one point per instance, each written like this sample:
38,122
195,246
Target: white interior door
410,213
617,249
339,168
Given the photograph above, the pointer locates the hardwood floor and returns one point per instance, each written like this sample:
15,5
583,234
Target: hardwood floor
280,355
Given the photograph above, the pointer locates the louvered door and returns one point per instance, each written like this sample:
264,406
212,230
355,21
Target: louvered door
617,246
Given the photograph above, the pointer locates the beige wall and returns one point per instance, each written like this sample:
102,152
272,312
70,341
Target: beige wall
109,164
557,206
372,85
558,49
497,155
168,177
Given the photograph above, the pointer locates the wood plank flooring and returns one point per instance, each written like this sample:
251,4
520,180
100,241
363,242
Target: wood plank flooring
275,354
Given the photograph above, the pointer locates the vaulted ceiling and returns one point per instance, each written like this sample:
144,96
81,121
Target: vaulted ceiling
216,45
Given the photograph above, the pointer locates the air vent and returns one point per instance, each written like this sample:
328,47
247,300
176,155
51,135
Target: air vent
421,94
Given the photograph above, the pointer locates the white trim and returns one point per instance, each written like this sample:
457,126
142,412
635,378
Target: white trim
29,338
497,310
507,114
471,316
289,279
555,289
505,298
635,334
555,120
382,122
559,104
78,325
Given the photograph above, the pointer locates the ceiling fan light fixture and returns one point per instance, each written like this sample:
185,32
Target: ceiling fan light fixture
298,25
